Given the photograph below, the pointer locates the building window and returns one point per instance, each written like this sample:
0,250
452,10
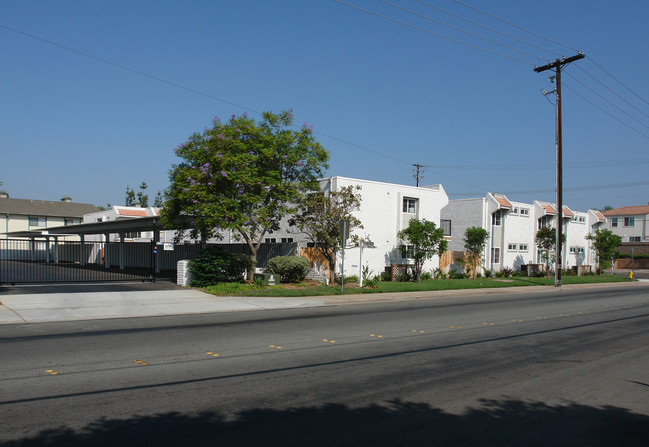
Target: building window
409,205
286,240
522,247
72,221
581,250
511,247
515,211
544,222
573,249
37,221
132,234
635,239
525,212
614,222
270,240
581,219
496,218
495,255
407,251
629,221
446,226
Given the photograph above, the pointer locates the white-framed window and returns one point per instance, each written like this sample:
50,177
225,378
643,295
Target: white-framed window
635,239
614,222
525,212
515,211
70,221
132,235
512,247
629,221
496,218
573,250
523,247
581,250
286,240
544,222
270,240
37,221
407,251
581,219
495,255
409,205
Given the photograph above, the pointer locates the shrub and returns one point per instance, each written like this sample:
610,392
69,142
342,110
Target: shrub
426,276
507,272
348,279
438,273
386,276
454,274
500,274
488,273
217,265
289,268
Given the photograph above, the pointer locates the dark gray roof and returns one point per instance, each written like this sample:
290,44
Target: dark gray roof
45,208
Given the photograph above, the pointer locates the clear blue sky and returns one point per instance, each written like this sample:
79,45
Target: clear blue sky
74,125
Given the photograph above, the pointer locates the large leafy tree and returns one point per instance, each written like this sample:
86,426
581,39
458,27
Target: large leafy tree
427,240
244,176
319,218
604,242
546,239
475,240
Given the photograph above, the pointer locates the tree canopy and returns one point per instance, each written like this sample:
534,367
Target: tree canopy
244,176
546,239
604,242
427,240
475,240
319,217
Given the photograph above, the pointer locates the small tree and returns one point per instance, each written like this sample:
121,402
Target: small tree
319,218
475,240
604,242
244,176
427,240
546,239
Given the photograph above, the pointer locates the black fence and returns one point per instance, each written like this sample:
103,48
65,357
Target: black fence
32,261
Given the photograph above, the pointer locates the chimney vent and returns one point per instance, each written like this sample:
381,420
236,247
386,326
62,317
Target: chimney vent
4,194
66,199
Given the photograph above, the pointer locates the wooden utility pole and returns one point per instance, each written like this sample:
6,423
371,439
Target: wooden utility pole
417,176
557,64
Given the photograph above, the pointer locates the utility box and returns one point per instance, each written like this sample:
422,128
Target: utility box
268,279
184,275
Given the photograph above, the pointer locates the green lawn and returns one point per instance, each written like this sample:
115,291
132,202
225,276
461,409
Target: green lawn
236,289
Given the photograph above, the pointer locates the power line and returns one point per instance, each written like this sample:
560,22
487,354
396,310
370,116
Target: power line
576,188
516,26
606,112
432,33
619,82
487,28
610,90
609,102
459,29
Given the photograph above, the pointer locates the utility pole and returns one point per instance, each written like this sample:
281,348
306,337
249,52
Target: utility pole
417,176
557,64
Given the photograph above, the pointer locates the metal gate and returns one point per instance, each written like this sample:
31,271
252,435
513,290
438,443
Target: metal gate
51,261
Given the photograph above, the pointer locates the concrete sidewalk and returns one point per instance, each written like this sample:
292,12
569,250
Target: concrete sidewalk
68,303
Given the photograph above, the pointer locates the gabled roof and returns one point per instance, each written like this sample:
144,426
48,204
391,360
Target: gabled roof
568,213
548,208
627,211
502,201
135,213
600,217
46,208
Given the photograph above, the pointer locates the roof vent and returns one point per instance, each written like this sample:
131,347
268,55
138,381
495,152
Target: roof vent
4,194
66,199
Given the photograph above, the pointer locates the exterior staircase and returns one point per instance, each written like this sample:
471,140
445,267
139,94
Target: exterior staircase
313,275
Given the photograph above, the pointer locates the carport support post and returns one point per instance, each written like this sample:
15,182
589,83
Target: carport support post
106,251
56,250
82,250
32,248
121,250
47,249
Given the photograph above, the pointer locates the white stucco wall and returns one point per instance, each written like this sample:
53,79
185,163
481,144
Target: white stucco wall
519,231
382,216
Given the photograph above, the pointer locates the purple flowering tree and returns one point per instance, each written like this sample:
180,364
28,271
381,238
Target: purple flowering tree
244,176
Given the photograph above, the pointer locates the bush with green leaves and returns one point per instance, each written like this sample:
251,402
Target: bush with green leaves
217,265
289,268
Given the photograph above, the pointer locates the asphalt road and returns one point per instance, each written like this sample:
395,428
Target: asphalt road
519,369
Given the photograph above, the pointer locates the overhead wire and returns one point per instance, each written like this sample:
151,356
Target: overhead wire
618,81
459,29
515,26
433,33
486,27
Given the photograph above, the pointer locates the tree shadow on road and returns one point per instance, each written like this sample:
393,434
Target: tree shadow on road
396,423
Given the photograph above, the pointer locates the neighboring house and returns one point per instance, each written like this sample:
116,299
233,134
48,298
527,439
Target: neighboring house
122,213
34,215
385,210
512,228
629,222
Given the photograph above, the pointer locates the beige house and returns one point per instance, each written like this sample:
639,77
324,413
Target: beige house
34,215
